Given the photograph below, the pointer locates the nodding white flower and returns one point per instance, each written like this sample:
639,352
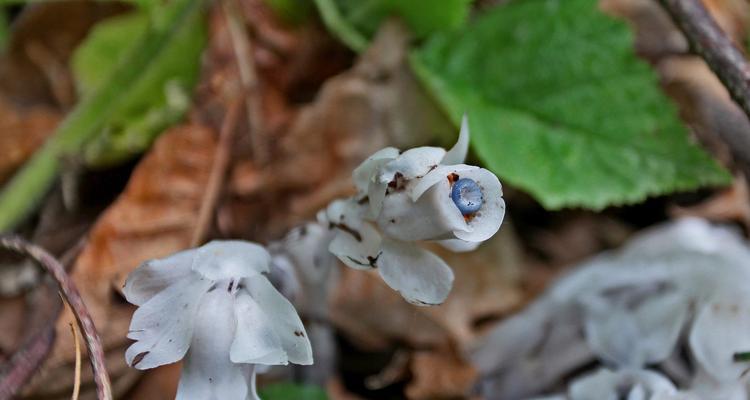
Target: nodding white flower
421,194
214,307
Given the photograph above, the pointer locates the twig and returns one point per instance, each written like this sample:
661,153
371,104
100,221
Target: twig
77,376
249,78
29,358
708,40
218,173
73,298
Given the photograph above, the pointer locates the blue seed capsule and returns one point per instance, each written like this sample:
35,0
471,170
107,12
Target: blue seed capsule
467,196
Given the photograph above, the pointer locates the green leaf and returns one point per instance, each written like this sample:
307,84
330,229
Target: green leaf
96,57
559,106
157,100
137,74
354,22
290,391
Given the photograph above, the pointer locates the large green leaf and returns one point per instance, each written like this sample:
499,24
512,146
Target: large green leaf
155,101
133,75
559,105
290,391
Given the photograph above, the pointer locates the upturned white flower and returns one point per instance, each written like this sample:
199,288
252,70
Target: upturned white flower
421,194
214,307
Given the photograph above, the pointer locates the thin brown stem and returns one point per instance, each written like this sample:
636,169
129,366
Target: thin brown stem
242,47
77,371
217,174
71,295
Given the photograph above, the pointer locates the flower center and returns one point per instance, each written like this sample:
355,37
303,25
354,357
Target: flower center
467,196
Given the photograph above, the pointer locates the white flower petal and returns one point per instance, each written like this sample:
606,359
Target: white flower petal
420,276
153,276
284,319
719,331
307,248
208,373
635,338
366,172
486,222
357,248
607,384
457,154
163,326
376,193
255,341
458,245
432,217
412,163
369,169
227,259
346,212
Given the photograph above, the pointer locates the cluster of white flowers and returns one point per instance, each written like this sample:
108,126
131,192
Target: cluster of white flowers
214,307
662,318
422,194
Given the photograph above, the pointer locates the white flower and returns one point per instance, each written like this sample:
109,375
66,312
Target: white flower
304,258
421,194
427,193
677,289
628,384
214,307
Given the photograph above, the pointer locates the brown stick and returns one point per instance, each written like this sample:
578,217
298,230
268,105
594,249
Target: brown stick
243,48
708,40
218,173
72,296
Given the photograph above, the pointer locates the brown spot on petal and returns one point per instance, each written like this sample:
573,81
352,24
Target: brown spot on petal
139,357
453,177
348,230
299,334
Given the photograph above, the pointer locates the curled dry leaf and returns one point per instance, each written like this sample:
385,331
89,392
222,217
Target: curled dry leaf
155,216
